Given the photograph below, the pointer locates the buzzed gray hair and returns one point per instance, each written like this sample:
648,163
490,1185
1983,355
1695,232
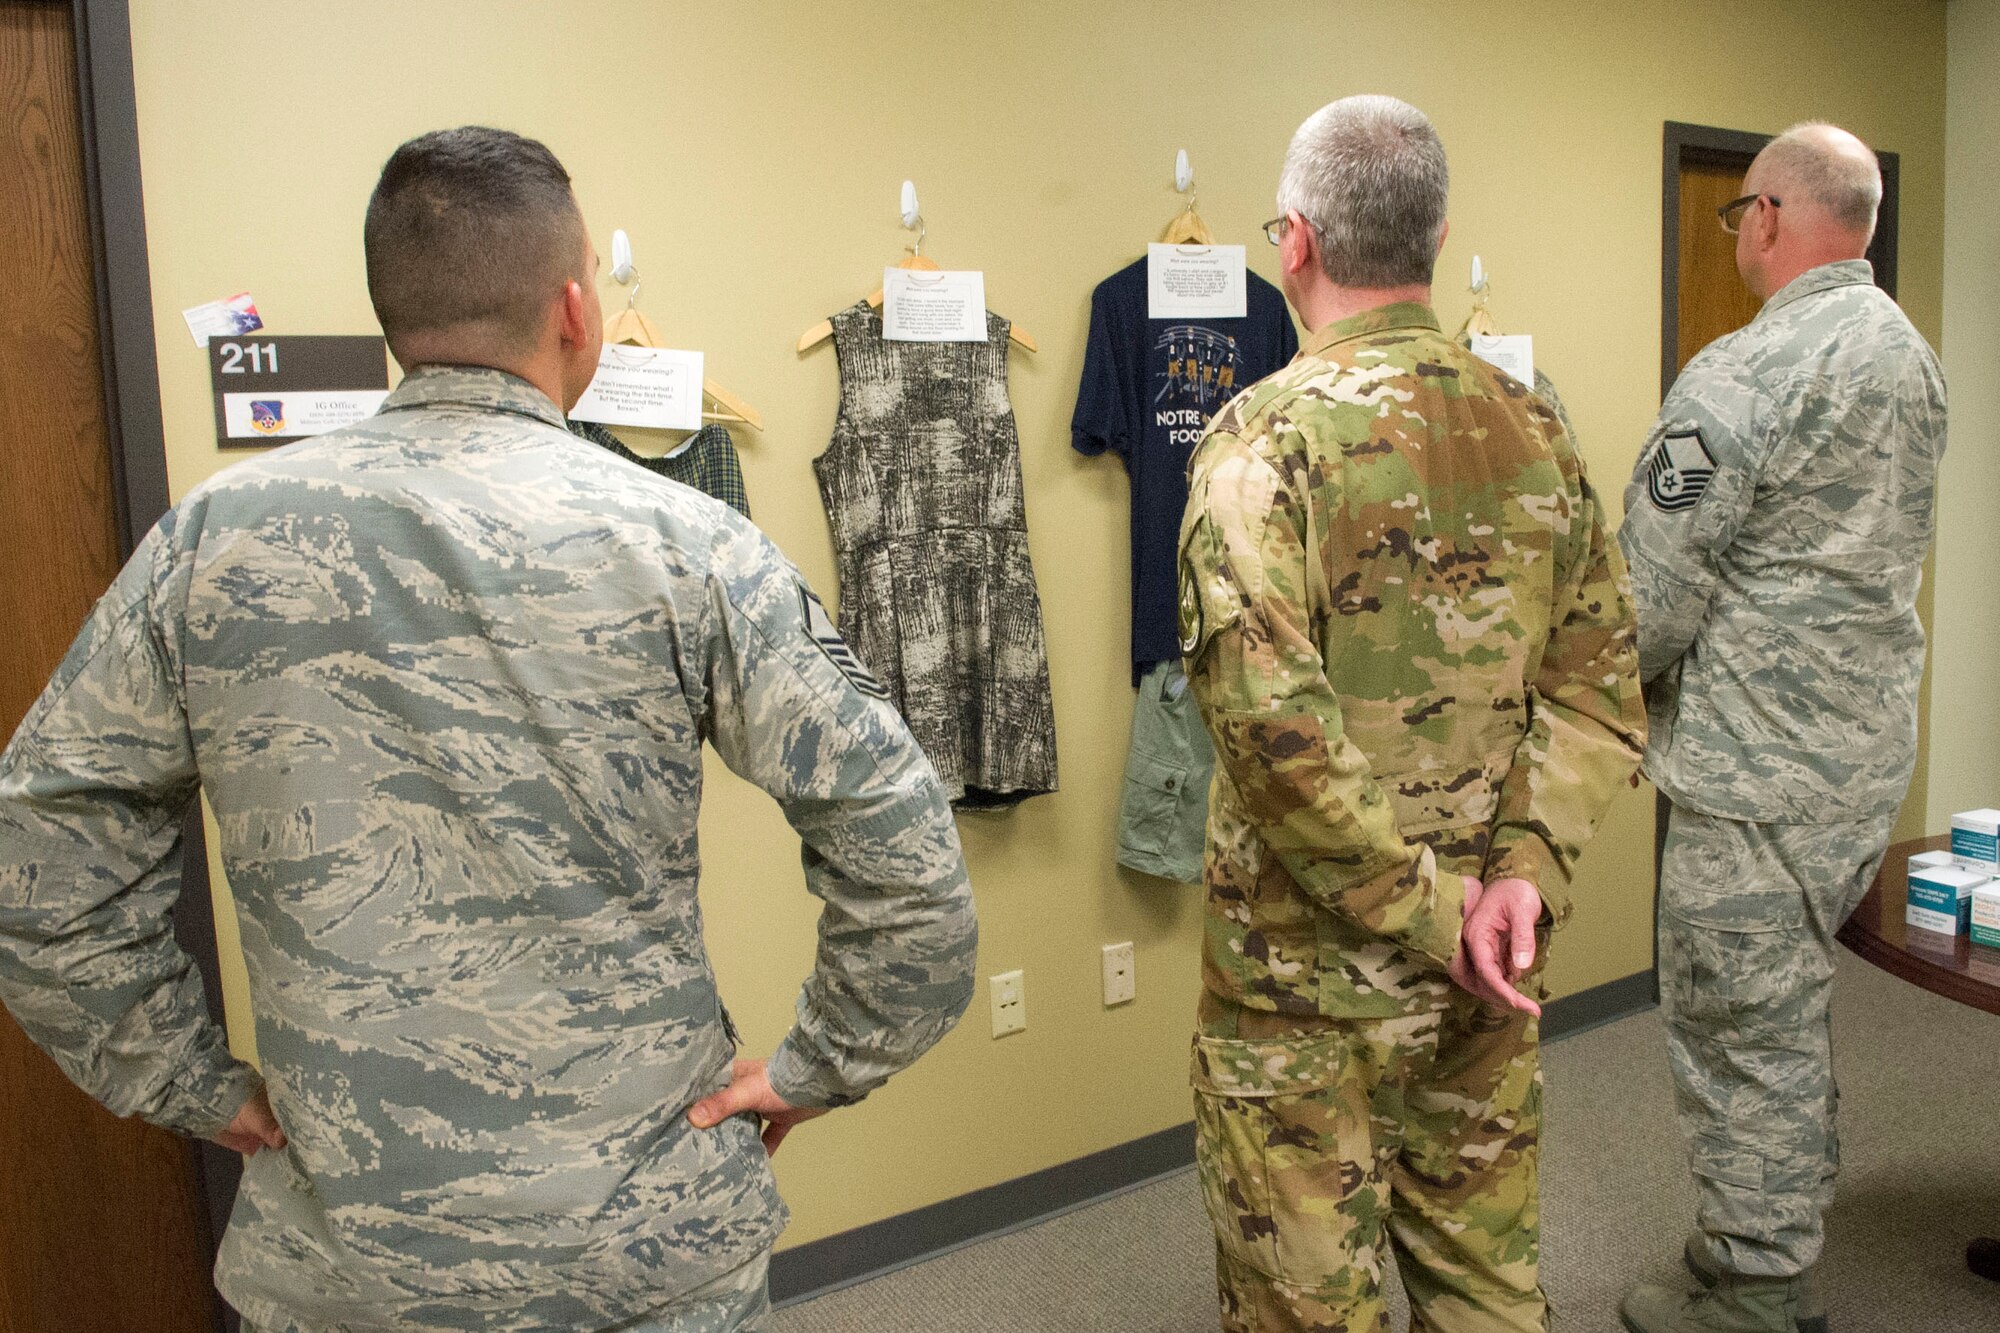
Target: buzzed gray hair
1848,185
1368,173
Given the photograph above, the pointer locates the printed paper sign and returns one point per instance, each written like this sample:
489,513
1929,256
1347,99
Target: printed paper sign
1512,352
272,390
1195,282
223,319
271,414
644,386
926,306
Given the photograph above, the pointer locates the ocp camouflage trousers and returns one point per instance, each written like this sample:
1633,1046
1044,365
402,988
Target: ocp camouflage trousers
1747,917
1324,1147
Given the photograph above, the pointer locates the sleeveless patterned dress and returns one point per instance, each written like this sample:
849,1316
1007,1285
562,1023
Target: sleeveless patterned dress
922,487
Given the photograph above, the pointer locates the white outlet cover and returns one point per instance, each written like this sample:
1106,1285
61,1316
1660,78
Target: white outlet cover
1009,997
1121,982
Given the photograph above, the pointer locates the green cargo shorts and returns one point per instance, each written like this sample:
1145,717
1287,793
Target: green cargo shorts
1163,815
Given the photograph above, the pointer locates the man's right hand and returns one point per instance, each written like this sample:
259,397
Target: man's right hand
1505,918
1463,971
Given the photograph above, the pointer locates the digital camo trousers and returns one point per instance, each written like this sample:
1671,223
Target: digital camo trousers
738,1301
1747,916
1324,1147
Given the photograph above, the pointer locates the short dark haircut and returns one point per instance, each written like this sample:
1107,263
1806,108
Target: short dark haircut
473,229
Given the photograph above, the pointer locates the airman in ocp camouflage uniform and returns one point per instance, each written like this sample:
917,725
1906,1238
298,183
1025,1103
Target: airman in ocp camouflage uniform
1776,526
446,676
1409,637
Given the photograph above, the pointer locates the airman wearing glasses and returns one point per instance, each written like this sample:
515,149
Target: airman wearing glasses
1776,526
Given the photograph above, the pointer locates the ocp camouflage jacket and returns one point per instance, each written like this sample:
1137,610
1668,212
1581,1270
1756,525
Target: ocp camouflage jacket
1410,638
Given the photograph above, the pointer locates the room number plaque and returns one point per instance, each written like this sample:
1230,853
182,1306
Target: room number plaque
274,389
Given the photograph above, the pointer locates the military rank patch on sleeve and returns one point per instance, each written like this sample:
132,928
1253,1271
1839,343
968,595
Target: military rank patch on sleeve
820,627
1680,472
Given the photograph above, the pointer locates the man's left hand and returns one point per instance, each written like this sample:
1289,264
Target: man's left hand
750,1090
254,1128
1500,941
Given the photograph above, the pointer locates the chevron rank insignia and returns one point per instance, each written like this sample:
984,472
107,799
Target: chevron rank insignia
820,626
1680,472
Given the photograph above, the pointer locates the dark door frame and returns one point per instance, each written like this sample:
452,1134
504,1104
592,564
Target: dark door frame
115,194
1684,143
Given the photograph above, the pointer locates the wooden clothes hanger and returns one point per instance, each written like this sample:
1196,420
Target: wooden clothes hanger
630,325
1187,228
1480,321
916,259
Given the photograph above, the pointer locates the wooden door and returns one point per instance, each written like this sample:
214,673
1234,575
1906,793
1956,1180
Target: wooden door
100,1226
1713,299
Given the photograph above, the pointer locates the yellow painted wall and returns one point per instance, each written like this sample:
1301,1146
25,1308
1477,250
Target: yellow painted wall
1965,646
754,153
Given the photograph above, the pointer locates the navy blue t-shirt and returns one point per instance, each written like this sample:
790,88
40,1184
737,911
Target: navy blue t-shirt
1149,388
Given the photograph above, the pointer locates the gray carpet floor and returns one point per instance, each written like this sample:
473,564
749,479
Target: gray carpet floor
1920,1142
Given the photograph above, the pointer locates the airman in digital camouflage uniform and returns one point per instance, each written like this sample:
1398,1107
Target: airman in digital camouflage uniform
1776,527
445,677
1409,636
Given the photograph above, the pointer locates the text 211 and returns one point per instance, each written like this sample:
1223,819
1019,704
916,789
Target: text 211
234,354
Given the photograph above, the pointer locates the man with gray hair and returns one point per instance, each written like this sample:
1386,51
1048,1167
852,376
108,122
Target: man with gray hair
1407,630
1776,525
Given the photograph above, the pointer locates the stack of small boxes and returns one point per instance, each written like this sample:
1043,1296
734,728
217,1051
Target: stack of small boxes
1957,892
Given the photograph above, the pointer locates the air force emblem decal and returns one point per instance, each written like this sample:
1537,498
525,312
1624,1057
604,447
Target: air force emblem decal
267,415
1680,472
819,625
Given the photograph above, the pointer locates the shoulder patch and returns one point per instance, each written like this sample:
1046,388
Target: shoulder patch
1190,616
1680,472
821,629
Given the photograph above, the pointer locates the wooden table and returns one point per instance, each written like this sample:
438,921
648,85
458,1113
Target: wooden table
1948,965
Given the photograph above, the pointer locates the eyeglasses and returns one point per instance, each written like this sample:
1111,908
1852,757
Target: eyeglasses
1274,230
1732,213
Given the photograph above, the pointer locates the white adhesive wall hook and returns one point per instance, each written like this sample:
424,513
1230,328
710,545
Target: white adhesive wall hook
622,270
1478,277
1183,173
913,218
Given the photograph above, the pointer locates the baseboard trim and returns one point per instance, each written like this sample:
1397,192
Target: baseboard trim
826,1265
1599,1005
821,1266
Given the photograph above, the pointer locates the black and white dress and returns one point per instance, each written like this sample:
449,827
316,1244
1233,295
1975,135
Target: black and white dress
922,487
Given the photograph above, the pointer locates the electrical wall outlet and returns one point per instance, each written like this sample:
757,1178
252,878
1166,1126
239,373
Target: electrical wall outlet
1010,1003
1121,983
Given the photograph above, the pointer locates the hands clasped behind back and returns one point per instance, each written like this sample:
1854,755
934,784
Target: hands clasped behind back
1497,946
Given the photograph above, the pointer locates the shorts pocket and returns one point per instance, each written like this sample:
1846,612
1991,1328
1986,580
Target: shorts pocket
1283,1150
1149,810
